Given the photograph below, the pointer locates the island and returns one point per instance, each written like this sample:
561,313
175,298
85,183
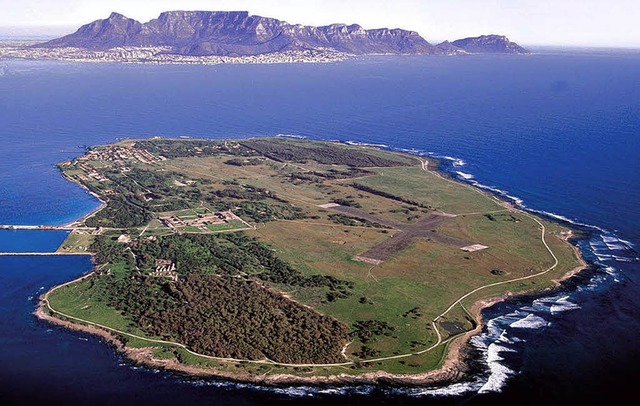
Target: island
285,260
235,37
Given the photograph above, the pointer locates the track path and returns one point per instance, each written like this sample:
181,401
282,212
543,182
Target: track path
440,341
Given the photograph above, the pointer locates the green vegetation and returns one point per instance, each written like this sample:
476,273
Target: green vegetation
423,188
237,249
197,310
353,221
194,148
292,151
77,241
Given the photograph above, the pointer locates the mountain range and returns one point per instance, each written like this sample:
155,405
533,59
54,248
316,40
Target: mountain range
203,33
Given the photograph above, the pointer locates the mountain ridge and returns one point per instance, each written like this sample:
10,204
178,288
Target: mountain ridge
237,33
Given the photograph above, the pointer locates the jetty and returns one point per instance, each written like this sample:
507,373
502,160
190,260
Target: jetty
23,227
53,228
39,254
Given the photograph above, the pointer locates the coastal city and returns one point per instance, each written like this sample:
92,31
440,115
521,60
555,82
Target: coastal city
162,55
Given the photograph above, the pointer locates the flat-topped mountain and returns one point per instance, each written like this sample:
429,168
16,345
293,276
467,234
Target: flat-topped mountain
236,33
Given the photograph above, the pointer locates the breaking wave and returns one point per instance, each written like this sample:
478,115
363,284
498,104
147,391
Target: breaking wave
366,144
465,176
301,137
508,331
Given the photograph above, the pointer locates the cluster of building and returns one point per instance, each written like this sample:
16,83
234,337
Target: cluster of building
118,154
91,172
165,268
163,55
201,221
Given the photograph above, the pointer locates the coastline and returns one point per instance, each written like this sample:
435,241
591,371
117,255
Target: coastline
93,212
453,368
455,365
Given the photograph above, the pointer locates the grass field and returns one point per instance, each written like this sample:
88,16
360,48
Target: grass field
83,301
77,241
407,290
431,189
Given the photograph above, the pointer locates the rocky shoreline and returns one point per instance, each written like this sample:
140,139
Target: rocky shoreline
455,367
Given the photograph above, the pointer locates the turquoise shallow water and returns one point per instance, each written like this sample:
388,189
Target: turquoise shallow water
561,132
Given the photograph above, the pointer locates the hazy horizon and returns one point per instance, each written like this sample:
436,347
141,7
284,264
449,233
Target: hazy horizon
562,23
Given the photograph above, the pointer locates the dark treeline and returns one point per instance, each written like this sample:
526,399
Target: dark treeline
262,212
232,254
191,148
353,221
368,330
228,317
284,151
248,192
133,198
244,161
389,196
331,174
348,202
108,251
119,212
218,306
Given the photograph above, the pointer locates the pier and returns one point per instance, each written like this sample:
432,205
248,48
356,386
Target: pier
42,228
41,254
23,227
51,228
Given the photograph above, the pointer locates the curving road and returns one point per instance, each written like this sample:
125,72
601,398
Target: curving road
439,341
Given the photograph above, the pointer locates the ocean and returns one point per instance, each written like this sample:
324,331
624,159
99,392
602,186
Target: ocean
557,133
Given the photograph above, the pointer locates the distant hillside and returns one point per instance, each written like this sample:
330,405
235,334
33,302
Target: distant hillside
489,44
238,34
221,33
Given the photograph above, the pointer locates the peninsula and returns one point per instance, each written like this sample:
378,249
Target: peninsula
286,260
213,37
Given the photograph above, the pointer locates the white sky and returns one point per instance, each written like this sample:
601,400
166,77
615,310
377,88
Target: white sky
533,22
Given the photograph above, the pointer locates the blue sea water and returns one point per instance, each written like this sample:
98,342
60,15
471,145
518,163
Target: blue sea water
31,240
559,132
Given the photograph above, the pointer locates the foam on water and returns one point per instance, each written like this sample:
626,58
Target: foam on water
301,137
366,144
508,333
499,373
562,305
455,389
456,162
465,176
293,391
531,321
